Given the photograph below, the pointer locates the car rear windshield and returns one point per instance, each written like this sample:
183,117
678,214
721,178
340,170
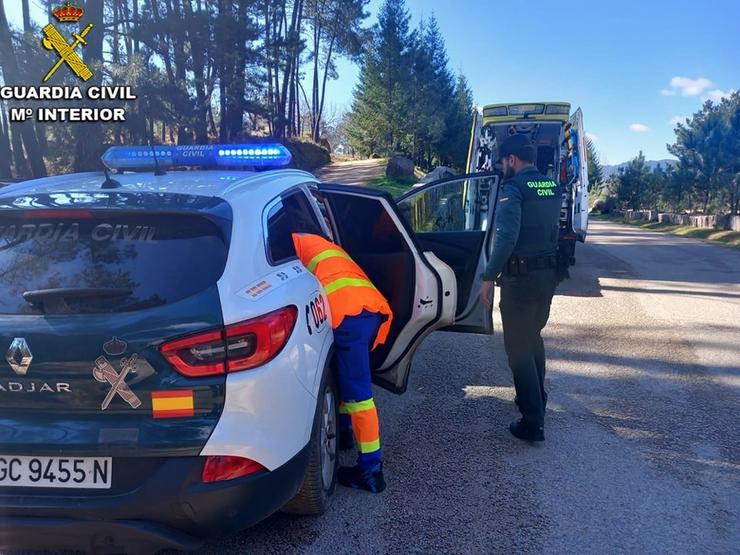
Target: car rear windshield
96,261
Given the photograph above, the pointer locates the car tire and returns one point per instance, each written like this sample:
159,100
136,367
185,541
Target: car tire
321,474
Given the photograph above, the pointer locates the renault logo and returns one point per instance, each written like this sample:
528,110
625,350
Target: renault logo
19,356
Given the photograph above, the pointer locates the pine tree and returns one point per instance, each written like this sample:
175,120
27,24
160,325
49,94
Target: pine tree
439,90
379,123
459,119
595,171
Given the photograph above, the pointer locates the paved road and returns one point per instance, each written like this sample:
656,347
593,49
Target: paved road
353,172
642,450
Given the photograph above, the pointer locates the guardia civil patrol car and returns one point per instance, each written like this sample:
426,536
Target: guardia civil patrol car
166,369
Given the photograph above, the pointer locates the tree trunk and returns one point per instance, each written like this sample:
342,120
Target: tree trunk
19,157
315,80
4,144
89,136
12,75
292,35
135,22
26,16
320,114
197,48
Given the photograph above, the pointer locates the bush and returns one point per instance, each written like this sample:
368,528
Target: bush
307,155
604,205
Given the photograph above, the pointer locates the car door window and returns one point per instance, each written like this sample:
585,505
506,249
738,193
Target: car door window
325,212
290,213
458,205
451,218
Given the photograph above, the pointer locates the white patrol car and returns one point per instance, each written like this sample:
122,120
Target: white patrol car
167,360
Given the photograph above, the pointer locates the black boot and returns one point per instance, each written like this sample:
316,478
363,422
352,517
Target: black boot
525,432
355,477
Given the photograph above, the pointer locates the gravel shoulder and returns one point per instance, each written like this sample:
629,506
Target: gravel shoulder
353,172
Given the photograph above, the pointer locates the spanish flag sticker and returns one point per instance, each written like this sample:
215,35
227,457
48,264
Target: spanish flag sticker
172,404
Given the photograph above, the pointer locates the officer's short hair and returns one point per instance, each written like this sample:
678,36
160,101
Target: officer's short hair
518,145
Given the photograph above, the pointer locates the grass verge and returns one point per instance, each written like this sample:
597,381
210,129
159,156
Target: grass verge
726,238
395,186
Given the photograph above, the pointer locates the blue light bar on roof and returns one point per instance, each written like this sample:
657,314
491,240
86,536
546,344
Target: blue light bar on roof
273,155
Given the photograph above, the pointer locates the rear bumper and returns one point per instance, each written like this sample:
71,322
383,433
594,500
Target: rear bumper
170,509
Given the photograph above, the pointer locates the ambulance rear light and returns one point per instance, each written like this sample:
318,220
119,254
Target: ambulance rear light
147,158
222,468
233,348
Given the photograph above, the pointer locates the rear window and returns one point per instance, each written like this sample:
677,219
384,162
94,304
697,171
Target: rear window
98,261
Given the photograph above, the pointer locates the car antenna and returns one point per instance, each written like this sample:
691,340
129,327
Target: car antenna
109,183
159,170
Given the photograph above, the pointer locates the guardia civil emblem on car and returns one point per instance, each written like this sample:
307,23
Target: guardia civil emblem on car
19,356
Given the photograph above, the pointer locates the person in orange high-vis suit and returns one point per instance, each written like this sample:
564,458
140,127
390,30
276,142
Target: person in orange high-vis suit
361,319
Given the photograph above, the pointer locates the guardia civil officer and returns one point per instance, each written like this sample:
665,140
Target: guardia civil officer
524,260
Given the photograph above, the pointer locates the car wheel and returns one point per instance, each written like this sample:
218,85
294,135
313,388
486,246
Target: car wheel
321,474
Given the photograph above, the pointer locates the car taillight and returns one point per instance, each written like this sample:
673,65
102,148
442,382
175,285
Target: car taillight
220,469
236,347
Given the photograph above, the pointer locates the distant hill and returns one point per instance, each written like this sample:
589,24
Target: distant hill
652,164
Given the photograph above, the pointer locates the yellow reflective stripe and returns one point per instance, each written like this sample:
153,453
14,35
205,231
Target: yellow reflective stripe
343,409
329,253
370,446
347,282
351,407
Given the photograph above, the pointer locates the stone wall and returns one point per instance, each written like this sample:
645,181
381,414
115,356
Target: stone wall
694,220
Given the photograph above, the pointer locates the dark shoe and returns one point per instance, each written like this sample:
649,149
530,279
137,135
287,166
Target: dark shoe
521,430
355,477
346,439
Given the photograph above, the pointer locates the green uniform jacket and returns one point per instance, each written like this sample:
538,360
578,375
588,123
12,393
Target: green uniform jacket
527,219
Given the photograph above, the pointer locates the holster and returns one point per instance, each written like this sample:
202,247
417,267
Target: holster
521,266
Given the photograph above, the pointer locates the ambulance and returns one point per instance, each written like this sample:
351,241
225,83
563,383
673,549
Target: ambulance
561,154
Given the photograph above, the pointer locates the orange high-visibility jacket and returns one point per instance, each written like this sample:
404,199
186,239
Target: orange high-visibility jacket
348,288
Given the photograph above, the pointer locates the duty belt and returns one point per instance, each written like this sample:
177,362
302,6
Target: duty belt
521,266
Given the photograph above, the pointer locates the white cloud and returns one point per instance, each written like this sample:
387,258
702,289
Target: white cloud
639,128
687,86
592,137
717,95
675,120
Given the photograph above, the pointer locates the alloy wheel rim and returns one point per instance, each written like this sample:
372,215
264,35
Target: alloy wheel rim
328,438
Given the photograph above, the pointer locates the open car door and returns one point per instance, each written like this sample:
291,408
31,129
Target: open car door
452,218
420,288
580,186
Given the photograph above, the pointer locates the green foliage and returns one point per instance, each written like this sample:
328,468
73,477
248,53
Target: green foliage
407,100
707,175
396,186
708,149
632,182
203,71
595,171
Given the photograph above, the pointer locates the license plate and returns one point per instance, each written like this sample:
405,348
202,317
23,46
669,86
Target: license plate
56,472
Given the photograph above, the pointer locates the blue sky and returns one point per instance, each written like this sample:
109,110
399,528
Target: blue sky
611,57
633,66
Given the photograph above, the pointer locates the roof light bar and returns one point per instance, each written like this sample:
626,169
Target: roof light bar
273,155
